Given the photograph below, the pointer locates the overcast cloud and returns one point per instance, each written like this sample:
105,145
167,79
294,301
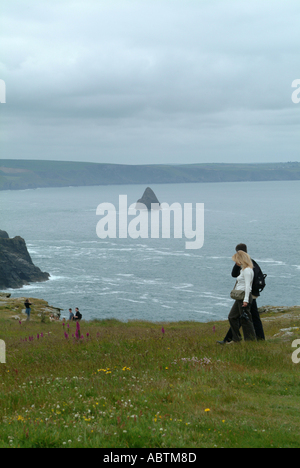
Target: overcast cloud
150,81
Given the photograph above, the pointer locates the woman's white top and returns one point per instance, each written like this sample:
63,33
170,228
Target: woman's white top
244,282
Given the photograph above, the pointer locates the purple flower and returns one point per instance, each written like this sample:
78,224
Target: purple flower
66,335
38,336
214,329
87,335
42,335
163,330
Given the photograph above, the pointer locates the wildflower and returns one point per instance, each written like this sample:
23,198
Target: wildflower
207,410
163,330
38,336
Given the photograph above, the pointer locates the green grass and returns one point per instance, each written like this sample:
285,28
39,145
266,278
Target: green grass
128,385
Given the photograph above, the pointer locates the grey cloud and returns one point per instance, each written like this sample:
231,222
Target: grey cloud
199,80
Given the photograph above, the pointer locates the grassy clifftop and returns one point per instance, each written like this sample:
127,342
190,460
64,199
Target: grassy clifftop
24,174
143,384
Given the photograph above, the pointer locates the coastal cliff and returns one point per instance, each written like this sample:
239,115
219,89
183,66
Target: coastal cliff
16,266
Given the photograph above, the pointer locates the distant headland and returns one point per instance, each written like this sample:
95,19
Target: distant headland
30,174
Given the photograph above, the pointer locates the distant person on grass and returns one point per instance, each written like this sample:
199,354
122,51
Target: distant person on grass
71,315
27,305
77,315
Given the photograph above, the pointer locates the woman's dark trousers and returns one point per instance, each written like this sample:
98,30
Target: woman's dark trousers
241,316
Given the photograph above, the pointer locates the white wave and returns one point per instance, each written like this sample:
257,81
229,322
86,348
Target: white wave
203,312
131,300
55,277
271,260
109,292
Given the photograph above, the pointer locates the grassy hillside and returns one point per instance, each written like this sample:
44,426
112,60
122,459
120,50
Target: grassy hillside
131,385
24,174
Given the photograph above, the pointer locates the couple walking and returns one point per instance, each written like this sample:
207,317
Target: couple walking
244,312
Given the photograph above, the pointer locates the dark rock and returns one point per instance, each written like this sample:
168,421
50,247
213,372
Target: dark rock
4,235
16,266
147,199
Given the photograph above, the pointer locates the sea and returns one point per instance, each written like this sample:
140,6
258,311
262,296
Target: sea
157,279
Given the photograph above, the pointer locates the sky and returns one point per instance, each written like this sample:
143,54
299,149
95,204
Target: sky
150,81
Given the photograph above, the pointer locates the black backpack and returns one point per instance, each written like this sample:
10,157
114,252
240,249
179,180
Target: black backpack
259,280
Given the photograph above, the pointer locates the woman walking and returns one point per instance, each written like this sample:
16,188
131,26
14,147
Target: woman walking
240,314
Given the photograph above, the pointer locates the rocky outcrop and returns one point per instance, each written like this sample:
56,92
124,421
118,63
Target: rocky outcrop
147,199
4,235
16,266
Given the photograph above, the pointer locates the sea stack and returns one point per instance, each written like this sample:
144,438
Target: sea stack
16,266
147,199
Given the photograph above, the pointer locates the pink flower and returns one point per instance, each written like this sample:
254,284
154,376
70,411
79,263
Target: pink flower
163,330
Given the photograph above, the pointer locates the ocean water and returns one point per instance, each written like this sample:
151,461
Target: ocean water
157,279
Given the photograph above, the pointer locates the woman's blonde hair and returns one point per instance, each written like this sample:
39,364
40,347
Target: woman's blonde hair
243,259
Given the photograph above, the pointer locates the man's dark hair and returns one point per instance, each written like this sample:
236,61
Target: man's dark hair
242,247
